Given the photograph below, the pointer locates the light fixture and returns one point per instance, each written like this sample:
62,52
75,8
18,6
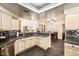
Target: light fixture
52,19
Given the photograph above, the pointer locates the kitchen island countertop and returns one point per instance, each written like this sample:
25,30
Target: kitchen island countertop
13,39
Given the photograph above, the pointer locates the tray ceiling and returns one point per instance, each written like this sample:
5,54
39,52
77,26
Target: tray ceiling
40,7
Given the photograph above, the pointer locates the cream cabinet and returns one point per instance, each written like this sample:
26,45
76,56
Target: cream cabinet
72,21
24,44
15,24
44,43
29,42
6,21
0,20
71,49
33,40
19,46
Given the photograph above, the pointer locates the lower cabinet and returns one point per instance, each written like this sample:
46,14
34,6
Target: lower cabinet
71,49
29,42
19,46
33,41
26,43
44,43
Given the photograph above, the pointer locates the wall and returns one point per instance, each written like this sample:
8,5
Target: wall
56,13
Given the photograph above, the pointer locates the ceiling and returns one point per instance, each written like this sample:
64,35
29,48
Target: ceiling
40,7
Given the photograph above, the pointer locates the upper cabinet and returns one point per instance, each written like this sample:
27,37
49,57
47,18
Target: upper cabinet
72,21
6,21
31,25
0,21
15,24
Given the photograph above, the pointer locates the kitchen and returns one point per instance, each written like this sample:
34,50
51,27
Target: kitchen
37,28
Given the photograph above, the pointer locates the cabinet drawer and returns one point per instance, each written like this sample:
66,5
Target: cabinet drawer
72,46
71,49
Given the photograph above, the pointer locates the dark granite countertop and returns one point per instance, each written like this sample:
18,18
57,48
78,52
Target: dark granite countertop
72,37
8,41
72,41
13,39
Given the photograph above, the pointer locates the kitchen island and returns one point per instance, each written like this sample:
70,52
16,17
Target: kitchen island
31,39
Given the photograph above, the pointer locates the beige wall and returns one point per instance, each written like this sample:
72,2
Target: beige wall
58,14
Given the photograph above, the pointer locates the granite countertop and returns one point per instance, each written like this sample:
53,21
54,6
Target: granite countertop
8,41
72,41
72,37
13,39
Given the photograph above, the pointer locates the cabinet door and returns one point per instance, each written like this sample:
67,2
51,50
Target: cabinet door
0,20
19,46
33,40
71,21
14,24
71,50
6,21
44,43
29,42
68,51
76,52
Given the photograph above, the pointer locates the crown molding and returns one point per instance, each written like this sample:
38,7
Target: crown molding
71,10
50,6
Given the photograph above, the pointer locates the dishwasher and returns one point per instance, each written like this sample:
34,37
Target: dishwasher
7,50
